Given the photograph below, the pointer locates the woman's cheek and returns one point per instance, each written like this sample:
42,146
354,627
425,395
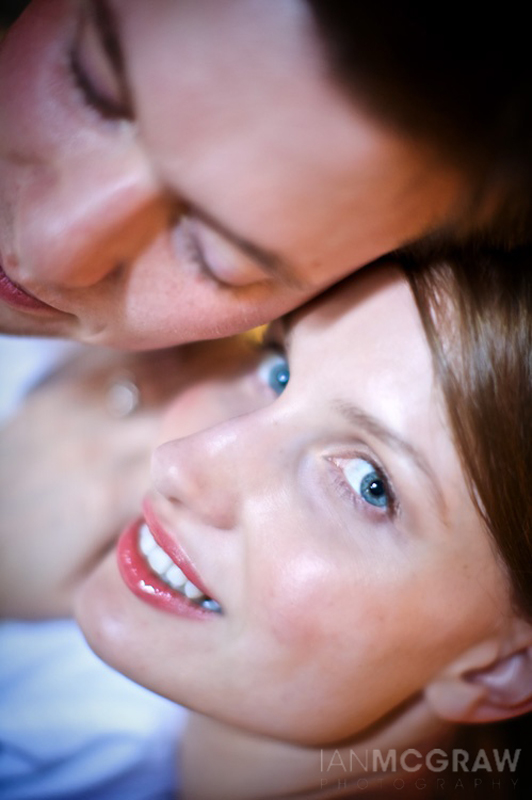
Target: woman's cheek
298,601
188,413
212,402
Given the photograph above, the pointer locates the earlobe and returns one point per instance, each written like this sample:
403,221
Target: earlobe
490,682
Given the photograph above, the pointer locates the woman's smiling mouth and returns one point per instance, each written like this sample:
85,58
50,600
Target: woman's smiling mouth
166,569
166,581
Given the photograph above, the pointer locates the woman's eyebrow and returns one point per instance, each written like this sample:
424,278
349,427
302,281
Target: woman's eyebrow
357,416
272,264
279,332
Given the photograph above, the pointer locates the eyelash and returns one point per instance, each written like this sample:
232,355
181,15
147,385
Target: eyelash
273,370
91,97
272,343
348,493
195,253
105,107
273,339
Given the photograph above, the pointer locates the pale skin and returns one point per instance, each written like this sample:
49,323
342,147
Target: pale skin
179,171
318,585
68,464
101,217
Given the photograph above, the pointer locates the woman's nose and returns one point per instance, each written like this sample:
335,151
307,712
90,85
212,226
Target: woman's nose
82,219
206,473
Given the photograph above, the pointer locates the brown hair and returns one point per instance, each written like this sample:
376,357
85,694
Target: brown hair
476,307
460,82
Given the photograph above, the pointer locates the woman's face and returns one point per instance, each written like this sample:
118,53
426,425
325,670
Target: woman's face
171,171
332,526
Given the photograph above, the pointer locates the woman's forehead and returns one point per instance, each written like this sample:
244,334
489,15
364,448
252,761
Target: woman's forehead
362,346
376,293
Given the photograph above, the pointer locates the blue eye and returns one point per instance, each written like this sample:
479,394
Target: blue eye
366,482
275,372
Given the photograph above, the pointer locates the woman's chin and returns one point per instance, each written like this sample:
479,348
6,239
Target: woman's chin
192,662
100,609
159,650
118,626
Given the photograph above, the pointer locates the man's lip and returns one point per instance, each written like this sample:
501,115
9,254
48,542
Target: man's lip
16,296
171,547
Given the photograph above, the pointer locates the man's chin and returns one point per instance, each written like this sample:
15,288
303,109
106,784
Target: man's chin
18,323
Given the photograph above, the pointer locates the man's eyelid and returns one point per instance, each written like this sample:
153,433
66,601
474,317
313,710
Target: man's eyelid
268,263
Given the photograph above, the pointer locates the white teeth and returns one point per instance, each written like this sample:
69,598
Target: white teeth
175,577
211,605
163,566
192,591
159,561
146,540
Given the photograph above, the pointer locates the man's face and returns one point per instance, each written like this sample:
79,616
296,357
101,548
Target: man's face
172,171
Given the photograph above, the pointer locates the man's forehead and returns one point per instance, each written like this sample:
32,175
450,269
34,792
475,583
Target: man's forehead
255,133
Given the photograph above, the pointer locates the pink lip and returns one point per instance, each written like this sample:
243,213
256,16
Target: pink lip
170,546
139,578
16,296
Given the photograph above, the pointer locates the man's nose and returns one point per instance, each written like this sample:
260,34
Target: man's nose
85,218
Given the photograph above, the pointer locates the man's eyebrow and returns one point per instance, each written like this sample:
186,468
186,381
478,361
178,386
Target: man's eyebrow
273,265
357,416
104,19
106,24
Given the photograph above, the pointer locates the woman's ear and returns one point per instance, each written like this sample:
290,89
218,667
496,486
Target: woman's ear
491,681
